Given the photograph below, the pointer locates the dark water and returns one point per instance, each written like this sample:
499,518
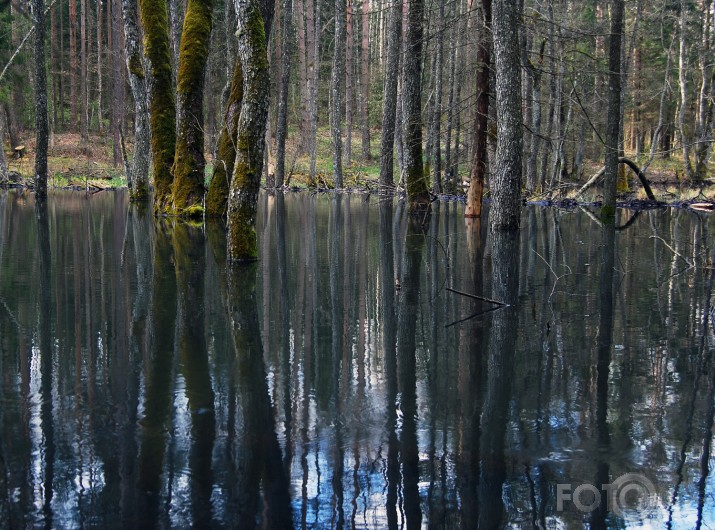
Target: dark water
332,384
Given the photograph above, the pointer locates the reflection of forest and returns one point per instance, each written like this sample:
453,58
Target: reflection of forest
142,383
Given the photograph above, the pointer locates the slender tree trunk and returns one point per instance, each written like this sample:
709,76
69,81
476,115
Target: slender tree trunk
117,82
682,78
364,99
83,97
506,182
437,116
41,125
453,53
217,196
417,185
189,163
62,67
162,111
336,93
478,171
53,69
282,125
349,52
254,22
73,63
608,210
300,7
313,43
137,81
100,62
389,102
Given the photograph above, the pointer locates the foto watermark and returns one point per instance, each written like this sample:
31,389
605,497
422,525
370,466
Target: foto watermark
629,494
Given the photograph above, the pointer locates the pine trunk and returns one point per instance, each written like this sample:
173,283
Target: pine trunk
73,63
389,102
100,61
365,82
41,125
282,125
505,213
613,126
336,93
349,83
117,82
84,110
478,171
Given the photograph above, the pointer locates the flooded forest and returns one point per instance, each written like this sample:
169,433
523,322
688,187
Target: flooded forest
357,264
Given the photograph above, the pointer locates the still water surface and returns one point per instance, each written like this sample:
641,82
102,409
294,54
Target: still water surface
339,383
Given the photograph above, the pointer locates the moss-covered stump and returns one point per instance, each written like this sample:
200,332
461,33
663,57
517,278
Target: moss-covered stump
162,110
217,196
188,169
243,195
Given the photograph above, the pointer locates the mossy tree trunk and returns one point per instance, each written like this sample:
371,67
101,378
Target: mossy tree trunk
254,19
139,178
188,170
162,111
217,196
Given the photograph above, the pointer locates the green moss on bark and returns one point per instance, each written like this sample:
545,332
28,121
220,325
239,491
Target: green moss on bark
162,110
243,195
217,196
188,169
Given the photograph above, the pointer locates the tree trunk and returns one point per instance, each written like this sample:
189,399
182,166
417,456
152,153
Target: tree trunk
189,163
336,93
41,125
282,125
364,99
608,210
417,185
313,43
117,82
100,61
453,54
506,180
682,78
162,112
300,7
73,63
389,102
437,116
349,35
83,97
217,196
478,171
254,22
139,177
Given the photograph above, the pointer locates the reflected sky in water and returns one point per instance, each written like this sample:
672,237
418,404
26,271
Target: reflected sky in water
347,379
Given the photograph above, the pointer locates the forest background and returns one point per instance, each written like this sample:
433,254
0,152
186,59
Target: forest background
666,73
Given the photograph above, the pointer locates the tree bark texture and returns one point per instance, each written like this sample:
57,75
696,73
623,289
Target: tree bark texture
282,125
506,179
118,81
254,22
349,68
162,110
336,93
417,185
364,98
189,163
478,171
217,196
84,109
389,102
613,125
139,190
41,126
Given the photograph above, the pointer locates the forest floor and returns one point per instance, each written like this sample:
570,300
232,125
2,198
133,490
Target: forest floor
91,167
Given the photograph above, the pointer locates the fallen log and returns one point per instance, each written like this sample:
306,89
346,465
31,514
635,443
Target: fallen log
634,167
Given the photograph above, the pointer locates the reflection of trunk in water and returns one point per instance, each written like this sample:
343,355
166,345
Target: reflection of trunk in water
502,343
45,347
387,302
604,343
407,368
260,459
190,265
158,379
